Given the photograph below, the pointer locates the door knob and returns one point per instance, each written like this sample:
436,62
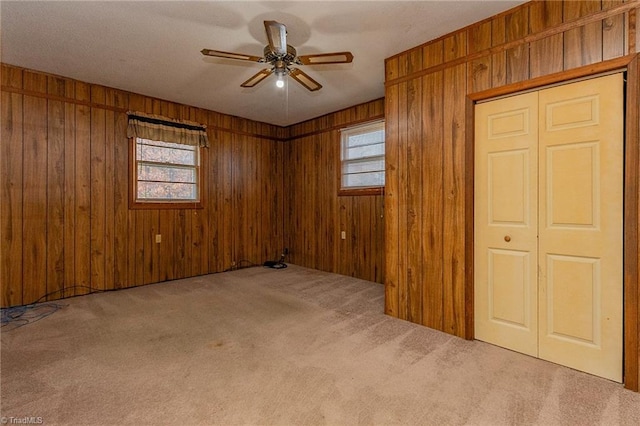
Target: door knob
507,238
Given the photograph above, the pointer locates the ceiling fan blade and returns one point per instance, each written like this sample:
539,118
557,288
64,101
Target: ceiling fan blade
305,80
230,55
261,75
277,36
326,58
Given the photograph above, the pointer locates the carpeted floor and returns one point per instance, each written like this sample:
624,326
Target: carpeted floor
278,347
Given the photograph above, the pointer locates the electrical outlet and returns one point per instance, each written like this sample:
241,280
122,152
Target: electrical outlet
343,235
158,238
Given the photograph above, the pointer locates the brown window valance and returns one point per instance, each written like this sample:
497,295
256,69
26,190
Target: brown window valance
157,128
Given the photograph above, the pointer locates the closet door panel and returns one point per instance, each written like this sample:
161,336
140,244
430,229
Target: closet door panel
580,219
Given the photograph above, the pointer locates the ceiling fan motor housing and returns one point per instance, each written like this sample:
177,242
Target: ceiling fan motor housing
288,59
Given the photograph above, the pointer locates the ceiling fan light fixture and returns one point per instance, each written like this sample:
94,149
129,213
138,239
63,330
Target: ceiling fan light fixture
280,81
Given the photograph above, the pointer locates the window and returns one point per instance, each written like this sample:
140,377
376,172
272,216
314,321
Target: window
166,172
165,158
362,168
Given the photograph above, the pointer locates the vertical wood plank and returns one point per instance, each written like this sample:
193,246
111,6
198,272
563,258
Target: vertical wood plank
391,68
432,54
613,32
432,203
55,189
34,195
215,201
499,59
135,246
82,190
582,45
392,232
122,255
200,117
454,191
109,167
98,190
517,57
479,71
414,144
403,288
455,46
69,192
379,245
634,31
167,247
546,55
197,238
227,195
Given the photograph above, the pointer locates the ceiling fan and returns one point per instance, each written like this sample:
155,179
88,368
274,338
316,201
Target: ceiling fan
282,56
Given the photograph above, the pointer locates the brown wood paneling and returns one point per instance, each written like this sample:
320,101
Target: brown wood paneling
69,191
66,221
432,54
403,270
480,69
454,192
11,208
455,46
109,160
414,232
545,56
122,255
613,32
582,45
433,200
82,191
55,189
392,186
498,59
634,31
517,60
34,194
316,214
98,190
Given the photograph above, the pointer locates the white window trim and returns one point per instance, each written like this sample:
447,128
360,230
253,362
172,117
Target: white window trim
352,131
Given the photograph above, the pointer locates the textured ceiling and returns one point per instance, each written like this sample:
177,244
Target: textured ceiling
153,48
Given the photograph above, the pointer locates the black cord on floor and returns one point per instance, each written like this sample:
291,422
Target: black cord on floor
18,316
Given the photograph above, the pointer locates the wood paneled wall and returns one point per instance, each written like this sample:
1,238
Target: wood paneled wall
316,215
66,228
429,114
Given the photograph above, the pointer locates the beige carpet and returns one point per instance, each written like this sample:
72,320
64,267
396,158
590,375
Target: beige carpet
279,347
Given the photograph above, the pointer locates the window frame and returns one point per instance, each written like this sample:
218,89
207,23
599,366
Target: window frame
135,203
364,190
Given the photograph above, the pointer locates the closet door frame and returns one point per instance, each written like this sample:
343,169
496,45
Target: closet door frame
630,65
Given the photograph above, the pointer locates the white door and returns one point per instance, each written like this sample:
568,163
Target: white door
580,244
557,295
506,223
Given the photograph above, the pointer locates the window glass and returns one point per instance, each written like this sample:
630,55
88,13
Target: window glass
363,156
166,172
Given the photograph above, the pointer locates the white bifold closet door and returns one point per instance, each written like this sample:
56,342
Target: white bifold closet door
548,224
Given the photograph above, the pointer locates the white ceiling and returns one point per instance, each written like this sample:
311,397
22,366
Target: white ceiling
153,48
